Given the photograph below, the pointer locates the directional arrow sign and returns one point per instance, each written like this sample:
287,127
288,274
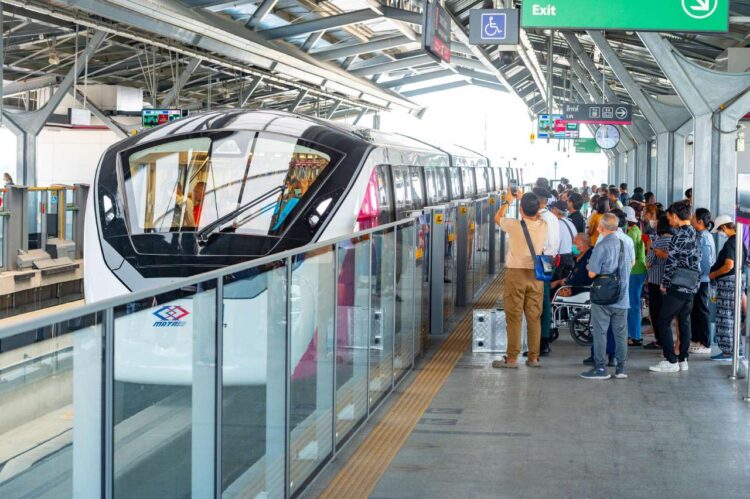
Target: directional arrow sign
636,15
598,114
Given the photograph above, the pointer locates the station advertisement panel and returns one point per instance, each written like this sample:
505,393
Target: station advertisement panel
552,126
635,15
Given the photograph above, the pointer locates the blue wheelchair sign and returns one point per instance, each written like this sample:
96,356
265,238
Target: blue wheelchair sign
493,26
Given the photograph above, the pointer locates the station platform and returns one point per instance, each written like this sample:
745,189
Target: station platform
459,428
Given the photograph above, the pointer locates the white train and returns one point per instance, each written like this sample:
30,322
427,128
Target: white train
219,188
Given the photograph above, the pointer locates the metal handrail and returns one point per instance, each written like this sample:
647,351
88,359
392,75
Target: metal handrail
100,306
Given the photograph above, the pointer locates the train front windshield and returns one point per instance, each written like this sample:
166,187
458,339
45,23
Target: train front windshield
249,181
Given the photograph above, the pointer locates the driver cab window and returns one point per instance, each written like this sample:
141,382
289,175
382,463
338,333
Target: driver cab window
252,180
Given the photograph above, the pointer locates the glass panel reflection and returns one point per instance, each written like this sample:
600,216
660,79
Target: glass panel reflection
164,387
50,422
254,383
382,314
312,312
405,310
353,284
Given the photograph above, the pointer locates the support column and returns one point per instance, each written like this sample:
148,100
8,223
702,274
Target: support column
641,169
680,180
703,92
27,125
663,118
632,165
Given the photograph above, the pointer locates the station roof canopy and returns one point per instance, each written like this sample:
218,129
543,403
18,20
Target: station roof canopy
331,58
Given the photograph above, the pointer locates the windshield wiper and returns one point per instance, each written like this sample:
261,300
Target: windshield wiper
209,229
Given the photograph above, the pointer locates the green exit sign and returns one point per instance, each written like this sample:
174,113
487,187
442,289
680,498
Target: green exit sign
635,15
586,146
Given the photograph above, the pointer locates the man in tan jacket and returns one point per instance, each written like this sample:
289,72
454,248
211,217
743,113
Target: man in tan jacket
523,293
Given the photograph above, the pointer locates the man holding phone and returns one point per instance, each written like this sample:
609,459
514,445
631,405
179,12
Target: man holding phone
523,293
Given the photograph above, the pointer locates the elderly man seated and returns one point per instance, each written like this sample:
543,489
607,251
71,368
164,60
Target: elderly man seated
579,277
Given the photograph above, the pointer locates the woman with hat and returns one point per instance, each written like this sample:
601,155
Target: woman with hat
637,278
722,273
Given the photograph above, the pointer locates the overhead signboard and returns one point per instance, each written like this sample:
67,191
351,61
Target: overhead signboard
640,15
155,117
599,114
494,26
587,146
552,126
436,33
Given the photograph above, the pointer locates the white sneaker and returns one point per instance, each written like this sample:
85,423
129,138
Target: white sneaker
665,367
699,349
683,365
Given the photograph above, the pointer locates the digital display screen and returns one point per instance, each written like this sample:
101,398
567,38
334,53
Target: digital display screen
155,117
436,34
552,126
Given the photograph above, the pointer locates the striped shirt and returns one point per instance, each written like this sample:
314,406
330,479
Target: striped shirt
655,264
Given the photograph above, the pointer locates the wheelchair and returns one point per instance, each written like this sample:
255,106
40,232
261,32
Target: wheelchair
573,312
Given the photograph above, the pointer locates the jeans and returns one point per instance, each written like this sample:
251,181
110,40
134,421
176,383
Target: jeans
700,317
635,290
675,305
602,317
546,312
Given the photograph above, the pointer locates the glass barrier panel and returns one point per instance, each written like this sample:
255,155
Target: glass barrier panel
353,286
382,314
406,310
451,256
50,422
470,242
422,284
254,383
312,353
164,394
34,201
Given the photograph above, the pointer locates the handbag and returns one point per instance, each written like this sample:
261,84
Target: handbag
606,288
684,277
544,269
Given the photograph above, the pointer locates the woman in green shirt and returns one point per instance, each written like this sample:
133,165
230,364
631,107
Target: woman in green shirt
637,278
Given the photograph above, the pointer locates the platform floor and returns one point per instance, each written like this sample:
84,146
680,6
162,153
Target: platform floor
547,433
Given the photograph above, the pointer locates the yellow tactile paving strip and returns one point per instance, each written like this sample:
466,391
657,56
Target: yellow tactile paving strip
361,474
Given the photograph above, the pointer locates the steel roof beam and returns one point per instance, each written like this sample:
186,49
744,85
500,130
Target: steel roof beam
218,40
436,88
323,23
180,82
387,67
260,13
362,48
418,78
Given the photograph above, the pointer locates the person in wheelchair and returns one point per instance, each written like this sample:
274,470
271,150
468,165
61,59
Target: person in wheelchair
578,280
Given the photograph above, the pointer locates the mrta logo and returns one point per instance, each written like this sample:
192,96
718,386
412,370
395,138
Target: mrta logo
170,316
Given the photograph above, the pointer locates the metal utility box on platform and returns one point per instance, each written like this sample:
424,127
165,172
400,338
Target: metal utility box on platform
489,331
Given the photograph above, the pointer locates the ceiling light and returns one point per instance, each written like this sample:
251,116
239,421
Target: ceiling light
54,59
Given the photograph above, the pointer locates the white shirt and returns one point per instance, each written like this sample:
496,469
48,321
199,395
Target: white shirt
566,240
552,244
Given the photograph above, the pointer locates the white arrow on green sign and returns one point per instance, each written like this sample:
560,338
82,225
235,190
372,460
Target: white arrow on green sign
636,15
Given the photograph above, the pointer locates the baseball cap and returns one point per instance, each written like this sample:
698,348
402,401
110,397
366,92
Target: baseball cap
721,220
630,214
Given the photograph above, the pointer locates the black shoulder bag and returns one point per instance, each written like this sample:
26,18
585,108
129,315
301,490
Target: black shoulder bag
543,268
606,288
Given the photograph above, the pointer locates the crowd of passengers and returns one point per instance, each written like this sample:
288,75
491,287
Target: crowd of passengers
593,235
